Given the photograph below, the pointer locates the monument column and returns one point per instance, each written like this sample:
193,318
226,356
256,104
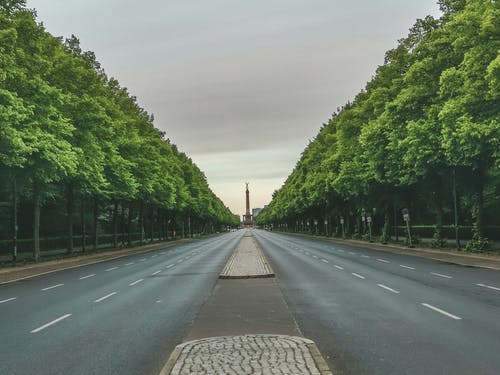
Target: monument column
248,220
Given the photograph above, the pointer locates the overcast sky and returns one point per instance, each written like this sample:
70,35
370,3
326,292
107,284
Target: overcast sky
240,86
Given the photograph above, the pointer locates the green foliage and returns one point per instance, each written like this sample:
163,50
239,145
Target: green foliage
66,127
431,109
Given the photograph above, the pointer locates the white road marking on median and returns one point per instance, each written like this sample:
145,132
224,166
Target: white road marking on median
325,261
8,300
51,287
129,264
383,260
387,288
441,275
483,285
51,323
111,269
357,275
155,273
103,298
338,267
441,311
407,267
170,266
136,282
86,277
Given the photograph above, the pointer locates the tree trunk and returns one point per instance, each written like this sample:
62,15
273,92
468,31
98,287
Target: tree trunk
14,219
141,222
82,219
129,224
69,216
96,219
36,222
115,224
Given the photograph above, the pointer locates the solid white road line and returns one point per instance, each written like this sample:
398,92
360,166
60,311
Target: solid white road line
338,267
325,261
441,311
51,323
407,267
483,285
170,266
111,269
86,277
357,275
136,282
51,287
387,288
441,275
155,273
383,260
103,298
8,300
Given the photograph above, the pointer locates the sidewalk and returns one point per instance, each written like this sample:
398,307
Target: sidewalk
245,327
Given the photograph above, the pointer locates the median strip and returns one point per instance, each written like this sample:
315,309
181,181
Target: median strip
50,323
441,311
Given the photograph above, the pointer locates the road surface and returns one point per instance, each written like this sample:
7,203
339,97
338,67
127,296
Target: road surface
373,312
122,316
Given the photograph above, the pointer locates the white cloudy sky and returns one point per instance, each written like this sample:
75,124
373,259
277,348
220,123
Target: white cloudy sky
240,86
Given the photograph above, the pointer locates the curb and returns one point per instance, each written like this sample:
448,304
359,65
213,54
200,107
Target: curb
318,359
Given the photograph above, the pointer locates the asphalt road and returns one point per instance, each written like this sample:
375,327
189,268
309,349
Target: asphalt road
374,312
121,316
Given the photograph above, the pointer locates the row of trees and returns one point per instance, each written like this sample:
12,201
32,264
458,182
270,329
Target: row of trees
69,133
424,134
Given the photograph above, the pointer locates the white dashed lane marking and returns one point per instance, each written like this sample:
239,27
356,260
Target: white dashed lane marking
129,264
170,266
407,267
441,311
357,275
383,260
8,300
324,261
105,297
338,267
387,288
111,269
488,286
441,275
51,287
155,273
136,282
365,256
86,277
50,323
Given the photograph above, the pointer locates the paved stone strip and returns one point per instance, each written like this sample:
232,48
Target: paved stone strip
247,261
247,354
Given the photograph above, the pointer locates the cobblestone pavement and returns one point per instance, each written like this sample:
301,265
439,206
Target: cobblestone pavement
248,354
247,261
